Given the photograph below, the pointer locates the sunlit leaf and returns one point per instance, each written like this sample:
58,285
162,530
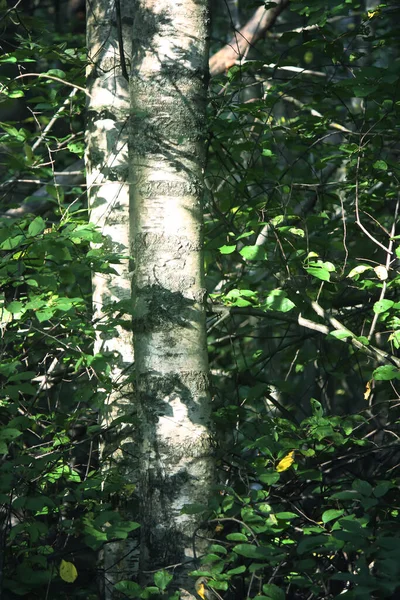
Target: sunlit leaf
286,462
68,571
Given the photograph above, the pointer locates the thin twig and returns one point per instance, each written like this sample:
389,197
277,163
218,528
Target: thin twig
45,76
387,266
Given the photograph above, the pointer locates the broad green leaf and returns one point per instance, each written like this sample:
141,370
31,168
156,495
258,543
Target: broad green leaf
251,551
236,537
386,373
382,306
37,226
237,570
218,549
341,334
296,231
44,315
278,300
162,579
382,488
381,165
310,543
267,152
12,242
363,487
273,592
286,516
15,307
319,273
56,73
8,58
331,514
269,478
227,249
244,235
253,253
130,589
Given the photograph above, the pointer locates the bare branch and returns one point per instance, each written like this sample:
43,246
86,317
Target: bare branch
247,36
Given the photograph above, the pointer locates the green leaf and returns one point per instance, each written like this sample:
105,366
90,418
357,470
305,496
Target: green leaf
273,592
381,165
250,551
386,373
218,549
227,249
129,588
253,253
236,537
345,495
278,300
44,315
15,307
237,570
341,334
12,242
8,434
382,488
311,543
286,516
267,152
269,478
162,579
77,148
296,231
363,487
382,306
37,226
354,273
56,73
319,273
331,514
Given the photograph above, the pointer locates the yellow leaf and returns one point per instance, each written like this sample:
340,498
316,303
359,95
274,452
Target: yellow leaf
368,390
381,272
286,462
68,571
202,591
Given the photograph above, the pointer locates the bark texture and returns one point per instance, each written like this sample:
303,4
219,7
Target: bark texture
168,100
108,194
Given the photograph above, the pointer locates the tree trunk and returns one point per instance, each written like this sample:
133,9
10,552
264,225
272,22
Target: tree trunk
168,100
108,194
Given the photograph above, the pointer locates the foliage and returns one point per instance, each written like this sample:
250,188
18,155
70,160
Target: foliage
302,272
322,527
56,510
301,252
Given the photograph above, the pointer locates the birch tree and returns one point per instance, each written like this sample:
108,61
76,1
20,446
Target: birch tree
108,193
168,100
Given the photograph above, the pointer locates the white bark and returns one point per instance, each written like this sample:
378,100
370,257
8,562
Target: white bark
108,193
168,94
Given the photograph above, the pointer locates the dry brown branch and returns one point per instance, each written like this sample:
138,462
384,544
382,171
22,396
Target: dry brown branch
239,45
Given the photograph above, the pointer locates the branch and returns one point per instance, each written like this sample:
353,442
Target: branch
376,353
247,36
38,203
